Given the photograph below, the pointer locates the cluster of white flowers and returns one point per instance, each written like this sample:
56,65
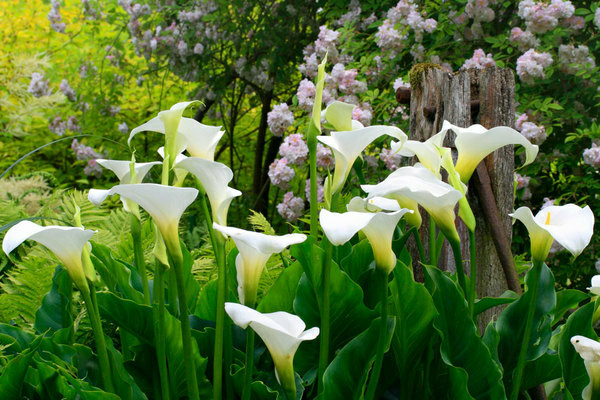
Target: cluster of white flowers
399,83
291,208
479,60
541,17
306,94
391,160
320,190
572,59
123,128
294,149
591,156
280,173
55,19
523,183
525,40
38,85
531,65
280,119
68,90
480,10
534,133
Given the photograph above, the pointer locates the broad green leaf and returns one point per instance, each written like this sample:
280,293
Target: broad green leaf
281,295
206,307
13,373
461,347
566,300
573,369
55,312
259,388
125,385
358,262
118,276
346,376
486,303
544,369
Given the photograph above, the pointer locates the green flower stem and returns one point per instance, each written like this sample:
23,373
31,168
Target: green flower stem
220,328
92,308
419,244
172,292
314,204
433,259
373,381
159,317
247,394
176,257
138,255
325,311
439,246
522,359
460,272
473,288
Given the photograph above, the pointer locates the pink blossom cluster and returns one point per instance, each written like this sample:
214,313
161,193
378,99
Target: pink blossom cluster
324,157
67,90
114,110
534,133
541,17
55,19
391,160
294,149
574,22
525,40
57,126
91,11
480,11
326,43
123,128
306,94
87,69
254,72
83,152
597,18
280,119
479,60
291,208
591,156
363,113
572,59
320,190
399,83
531,65
38,86
280,173
389,38
346,80
523,183
351,16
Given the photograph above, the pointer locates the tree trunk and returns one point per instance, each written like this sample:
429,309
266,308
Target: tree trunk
257,181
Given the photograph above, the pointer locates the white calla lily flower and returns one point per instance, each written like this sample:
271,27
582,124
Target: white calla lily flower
255,249
339,114
281,332
347,146
376,218
570,225
214,177
595,288
589,350
65,242
418,185
122,169
165,204
428,152
476,142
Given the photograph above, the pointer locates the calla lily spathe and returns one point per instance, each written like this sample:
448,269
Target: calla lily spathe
281,332
65,242
198,139
570,225
589,350
595,288
347,146
165,204
428,152
476,142
254,251
415,185
376,218
339,115
214,177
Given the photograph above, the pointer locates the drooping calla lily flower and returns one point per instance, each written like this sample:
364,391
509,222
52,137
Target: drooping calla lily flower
595,288
165,204
339,115
347,146
282,333
376,218
254,251
476,142
214,177
570,225
65,242
418,185
428,152
589,350
198,139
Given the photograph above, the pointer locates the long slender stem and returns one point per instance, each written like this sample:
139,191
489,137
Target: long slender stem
220,328
92,308
518,374
172,293
460,272
419,244
325,311
473,289
174,250
314,206
373,381
432,243
138,255
247,394
159,315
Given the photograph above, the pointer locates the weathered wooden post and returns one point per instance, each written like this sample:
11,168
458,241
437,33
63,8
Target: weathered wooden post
468,97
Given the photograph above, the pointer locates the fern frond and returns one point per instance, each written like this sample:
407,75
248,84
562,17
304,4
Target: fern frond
259,222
